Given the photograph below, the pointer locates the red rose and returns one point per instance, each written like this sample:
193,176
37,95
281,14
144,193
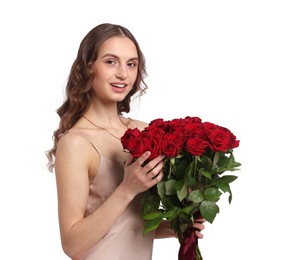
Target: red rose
171,145
176,124
152,141
158,123
136,146
210,126
128,136
152,144
182,141
192,119
154,131
195,146
194,129
233,143
219,140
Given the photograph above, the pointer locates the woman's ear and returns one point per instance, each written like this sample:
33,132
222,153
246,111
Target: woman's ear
90,69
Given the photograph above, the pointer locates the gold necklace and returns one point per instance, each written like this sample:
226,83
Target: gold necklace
105,128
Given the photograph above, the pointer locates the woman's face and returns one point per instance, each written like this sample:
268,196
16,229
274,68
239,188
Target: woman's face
115,70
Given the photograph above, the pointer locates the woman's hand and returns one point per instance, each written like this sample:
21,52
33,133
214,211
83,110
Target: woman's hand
139,177
198,224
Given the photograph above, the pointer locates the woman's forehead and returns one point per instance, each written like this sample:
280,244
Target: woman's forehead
119,46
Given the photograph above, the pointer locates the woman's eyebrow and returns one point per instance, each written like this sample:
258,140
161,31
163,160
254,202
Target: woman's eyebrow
117,57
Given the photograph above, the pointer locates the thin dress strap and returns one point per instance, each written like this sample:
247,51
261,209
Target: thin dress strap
90,140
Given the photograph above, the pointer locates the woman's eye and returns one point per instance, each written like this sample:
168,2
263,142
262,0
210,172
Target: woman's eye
111,62
132,64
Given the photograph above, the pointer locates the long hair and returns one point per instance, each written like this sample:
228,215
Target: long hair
78,87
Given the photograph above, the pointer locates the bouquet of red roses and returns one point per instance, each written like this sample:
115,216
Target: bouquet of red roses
197,154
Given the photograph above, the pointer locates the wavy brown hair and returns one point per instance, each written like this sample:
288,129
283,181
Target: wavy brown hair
78,87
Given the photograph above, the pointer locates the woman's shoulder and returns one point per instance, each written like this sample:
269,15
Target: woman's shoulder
72,139
137,123
75,148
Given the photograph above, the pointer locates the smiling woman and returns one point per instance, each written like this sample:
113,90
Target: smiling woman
98,194
116,67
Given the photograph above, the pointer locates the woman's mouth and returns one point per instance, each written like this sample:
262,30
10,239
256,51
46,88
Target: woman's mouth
118,87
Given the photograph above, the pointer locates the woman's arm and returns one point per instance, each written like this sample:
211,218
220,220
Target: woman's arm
73,162
164,230
78,234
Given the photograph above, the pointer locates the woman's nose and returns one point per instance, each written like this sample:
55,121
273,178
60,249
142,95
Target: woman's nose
121,72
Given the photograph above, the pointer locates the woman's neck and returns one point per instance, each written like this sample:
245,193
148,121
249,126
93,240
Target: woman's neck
104,116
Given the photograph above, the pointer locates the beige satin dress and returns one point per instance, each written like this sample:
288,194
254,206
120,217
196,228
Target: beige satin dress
125,239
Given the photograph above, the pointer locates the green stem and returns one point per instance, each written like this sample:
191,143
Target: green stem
198,253
195,169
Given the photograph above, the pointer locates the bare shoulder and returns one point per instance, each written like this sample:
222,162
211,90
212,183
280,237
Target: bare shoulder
71,140
73,145
76,158
138,123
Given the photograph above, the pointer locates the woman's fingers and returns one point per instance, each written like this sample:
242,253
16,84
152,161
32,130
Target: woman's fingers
154,163
154,172
142,172
142,159
152,167
129,160
198,234
199,226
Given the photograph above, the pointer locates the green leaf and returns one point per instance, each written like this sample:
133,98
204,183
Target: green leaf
236,164
170,187
227,163
161,189
182,194
146,208
179,156
231,196
169,214
205,161
196,196
227,179
185,218
171,202
216,158
172,160
151,225
188,209
208,210
181,168
179,184
205,173
190,175
225,187
150,200
231,160
152,215
212,194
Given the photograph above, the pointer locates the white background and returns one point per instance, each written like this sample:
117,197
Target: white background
227,62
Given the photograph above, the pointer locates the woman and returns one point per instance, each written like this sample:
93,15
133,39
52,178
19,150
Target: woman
98,184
